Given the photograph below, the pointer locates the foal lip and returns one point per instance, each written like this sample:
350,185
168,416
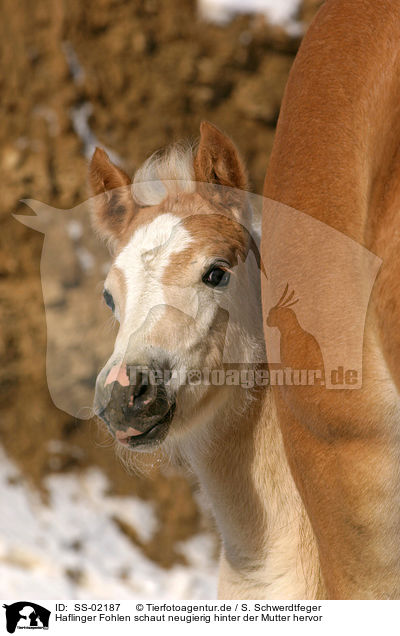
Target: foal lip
156,433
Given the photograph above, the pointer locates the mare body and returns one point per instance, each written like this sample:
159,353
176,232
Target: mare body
336,157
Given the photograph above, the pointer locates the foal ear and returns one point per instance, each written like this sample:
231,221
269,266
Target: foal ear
113,203
218,160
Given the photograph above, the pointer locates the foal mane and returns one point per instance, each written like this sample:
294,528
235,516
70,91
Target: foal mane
165,172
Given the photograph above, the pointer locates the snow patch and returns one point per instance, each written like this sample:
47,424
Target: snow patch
72,547
282,12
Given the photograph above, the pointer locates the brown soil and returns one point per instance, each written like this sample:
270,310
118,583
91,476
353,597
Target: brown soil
151,71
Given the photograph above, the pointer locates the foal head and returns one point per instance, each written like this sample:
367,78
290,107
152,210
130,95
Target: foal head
180,286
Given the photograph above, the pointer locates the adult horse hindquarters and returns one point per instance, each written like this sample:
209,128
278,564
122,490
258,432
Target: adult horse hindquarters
336,158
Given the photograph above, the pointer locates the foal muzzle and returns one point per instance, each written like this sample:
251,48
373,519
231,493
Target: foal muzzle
137,410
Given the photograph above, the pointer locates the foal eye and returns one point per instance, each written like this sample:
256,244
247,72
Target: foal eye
216,277
109,300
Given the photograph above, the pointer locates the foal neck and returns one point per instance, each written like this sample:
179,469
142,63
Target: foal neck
268,545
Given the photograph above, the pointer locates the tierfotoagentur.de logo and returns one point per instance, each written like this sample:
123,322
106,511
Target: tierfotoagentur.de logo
26,615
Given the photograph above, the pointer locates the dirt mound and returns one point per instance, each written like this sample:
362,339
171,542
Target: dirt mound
137,75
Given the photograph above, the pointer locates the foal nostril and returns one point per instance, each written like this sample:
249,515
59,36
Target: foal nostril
141,396
129,397
141,385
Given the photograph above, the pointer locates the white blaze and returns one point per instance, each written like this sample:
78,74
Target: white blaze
143,262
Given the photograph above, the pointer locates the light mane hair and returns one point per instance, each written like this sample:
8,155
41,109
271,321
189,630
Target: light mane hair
165,172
